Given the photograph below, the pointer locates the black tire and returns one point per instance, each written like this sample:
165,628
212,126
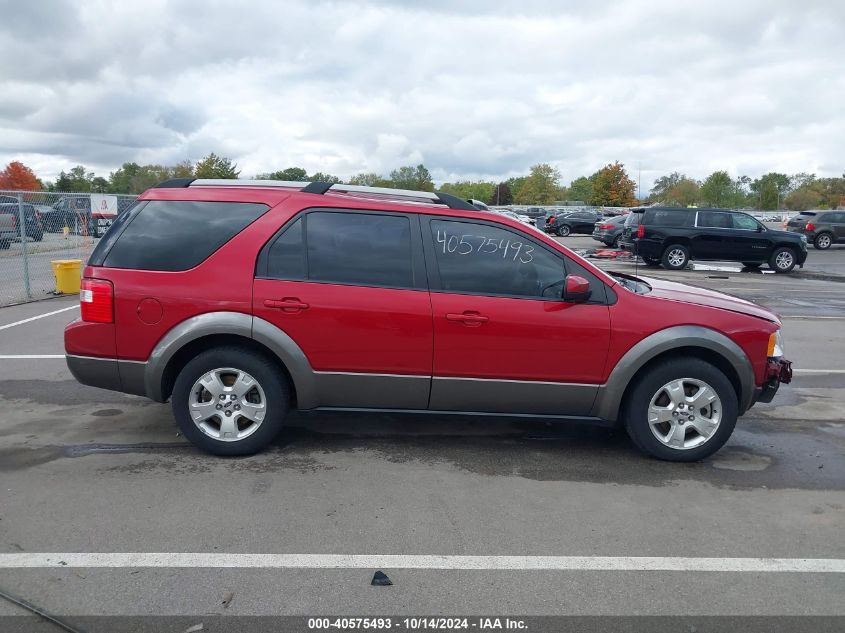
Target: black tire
783,260
615,242
823,241
39,236
752,264
651,261
564,230
5,244
265,373
649,384
675,257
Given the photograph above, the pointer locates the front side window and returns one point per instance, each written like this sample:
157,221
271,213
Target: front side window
487,260
345,248
745,222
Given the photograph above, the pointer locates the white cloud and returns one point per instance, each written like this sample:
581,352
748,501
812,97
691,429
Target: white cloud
472,89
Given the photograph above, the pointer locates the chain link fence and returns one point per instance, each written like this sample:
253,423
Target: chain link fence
38,227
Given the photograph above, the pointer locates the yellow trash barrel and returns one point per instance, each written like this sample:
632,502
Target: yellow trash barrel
67,273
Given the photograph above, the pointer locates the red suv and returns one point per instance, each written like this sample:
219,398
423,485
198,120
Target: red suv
238,300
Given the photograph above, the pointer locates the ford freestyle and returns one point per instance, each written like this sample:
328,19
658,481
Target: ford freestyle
240,300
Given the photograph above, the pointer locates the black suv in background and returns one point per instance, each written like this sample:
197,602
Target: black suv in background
821,228
672,237
566,223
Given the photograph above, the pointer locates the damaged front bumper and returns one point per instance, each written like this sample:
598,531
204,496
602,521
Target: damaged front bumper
778,370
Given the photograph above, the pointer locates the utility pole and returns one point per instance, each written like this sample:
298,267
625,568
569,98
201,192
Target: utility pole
639,181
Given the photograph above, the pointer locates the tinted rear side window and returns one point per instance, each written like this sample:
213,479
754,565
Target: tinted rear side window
346,248
665,217
178,235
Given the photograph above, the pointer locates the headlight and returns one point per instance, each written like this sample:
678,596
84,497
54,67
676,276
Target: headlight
775,349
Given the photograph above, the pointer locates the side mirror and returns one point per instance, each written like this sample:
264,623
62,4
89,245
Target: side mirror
760,228
576,289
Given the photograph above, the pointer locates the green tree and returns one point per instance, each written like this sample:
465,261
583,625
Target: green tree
717,190
612,187
802,199
501,194
581,189
664,184
541,187
686,193
477,190
214,166
77,179
291,174
369,179
415,178
516,183
321,177
771,189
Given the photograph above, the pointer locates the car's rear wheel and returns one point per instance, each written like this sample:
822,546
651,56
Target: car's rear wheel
675,257
681,410
5,244
782,260
823,241
564,230
230,401
615,242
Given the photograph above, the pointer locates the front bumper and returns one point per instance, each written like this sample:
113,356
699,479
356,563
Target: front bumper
778,370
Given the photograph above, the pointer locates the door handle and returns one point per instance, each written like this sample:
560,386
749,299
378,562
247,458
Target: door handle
288,304
467,318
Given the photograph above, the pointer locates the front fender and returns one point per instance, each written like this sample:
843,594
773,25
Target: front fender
609,398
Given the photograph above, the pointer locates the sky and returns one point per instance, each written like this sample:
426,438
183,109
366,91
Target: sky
475,89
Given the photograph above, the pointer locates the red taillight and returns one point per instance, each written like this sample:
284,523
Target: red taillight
14,222
550,219
96,298
809,226
606,227
641,231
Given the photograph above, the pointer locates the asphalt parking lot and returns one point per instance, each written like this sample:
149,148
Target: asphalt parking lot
86,473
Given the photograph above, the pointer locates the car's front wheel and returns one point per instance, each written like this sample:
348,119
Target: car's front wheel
675,257
230,401
681,410
782,260
564,230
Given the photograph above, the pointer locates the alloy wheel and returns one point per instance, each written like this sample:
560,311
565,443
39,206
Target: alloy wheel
684,413
227,404
784,260
676,257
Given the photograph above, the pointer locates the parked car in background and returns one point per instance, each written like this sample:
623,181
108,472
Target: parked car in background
8,229
34,228
518,217
564,224
821,228
318,299
609,230
672,237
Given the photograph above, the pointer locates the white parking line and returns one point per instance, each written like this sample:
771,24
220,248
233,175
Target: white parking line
808,316
818,371
40,316
30,356
28,560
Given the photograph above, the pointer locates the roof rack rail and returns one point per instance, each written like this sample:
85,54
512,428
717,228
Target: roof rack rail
320,188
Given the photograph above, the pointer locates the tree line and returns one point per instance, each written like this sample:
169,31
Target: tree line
609,186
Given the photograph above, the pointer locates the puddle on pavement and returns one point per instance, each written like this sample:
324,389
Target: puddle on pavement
728,459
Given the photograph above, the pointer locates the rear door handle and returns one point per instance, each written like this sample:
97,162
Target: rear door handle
467,318
288,304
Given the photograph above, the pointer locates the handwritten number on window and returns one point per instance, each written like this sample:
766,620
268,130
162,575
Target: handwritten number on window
469,244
